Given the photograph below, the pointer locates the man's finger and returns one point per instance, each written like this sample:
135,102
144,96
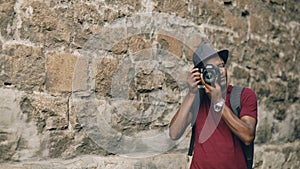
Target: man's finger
217,85
194,70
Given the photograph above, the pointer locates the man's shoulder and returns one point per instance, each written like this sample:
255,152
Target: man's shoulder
246,90
246,93
248,103
249,91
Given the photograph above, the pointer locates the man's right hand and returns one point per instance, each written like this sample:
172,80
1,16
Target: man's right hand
194,78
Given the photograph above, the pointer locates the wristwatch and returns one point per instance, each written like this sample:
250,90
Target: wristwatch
218,106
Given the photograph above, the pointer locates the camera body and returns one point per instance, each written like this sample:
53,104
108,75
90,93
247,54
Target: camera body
210,74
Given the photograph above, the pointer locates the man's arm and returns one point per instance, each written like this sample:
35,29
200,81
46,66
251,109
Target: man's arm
182,118
245,126
184,114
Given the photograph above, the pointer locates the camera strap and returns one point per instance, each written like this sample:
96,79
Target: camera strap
192,141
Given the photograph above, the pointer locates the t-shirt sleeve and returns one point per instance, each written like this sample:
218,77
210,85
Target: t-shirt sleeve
248,103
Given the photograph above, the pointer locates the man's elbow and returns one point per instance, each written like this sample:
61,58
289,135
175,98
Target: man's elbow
249,134
249,139
174,136
174,133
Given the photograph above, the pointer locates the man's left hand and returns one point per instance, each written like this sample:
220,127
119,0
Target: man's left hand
214,93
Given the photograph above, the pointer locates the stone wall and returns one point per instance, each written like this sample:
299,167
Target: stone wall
94,83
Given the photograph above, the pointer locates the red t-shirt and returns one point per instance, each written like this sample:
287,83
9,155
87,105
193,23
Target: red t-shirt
215,146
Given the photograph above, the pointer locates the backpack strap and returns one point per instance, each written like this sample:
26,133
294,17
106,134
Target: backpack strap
235,103
235,100
192,141
248,153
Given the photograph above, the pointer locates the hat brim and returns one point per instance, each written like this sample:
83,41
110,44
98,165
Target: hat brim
224,55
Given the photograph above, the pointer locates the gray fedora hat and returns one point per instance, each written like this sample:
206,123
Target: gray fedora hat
205,51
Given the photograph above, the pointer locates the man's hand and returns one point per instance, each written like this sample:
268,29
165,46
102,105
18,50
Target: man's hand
214,93
194,78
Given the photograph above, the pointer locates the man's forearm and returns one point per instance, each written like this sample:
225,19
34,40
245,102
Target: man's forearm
243,128
182,118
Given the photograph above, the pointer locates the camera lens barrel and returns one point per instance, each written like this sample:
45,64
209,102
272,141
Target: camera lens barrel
210,74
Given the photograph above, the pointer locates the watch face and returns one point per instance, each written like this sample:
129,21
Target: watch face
217,108
219,105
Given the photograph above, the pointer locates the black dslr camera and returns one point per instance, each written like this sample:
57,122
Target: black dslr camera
210,74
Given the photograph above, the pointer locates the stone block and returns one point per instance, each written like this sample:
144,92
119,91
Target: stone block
24,67
120,47
170,44
264,127
9,136
239,73
112,39
277,156
166,161
81,75
138,43
60,71
6,17
56,26
45,111
169,7
59,143
144,81
105,75
213,10
285,127
277,90
37,19
245,5
259,23
5,71
83,20
19,139
262,89
277,126
236,23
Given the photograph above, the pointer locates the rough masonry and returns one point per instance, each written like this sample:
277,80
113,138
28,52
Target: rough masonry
84,83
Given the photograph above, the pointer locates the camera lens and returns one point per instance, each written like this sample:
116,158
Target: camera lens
209,76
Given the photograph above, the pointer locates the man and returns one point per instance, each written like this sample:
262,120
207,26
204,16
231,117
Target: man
218,130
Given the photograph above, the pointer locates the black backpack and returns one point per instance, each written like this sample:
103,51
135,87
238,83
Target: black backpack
235,104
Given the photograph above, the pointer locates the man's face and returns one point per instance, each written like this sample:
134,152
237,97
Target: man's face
218,62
